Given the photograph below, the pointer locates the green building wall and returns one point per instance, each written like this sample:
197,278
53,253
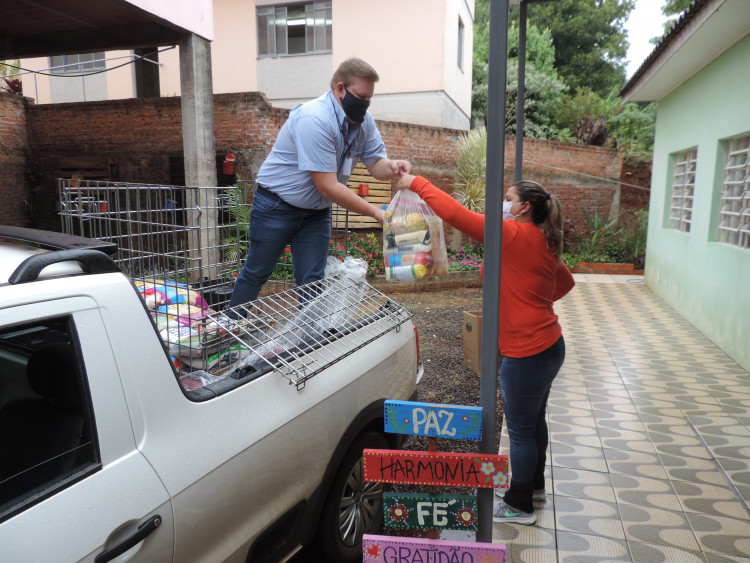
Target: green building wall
706,281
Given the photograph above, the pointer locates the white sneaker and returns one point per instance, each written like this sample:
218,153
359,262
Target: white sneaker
505,513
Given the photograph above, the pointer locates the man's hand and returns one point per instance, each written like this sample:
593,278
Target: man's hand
387,169
403,167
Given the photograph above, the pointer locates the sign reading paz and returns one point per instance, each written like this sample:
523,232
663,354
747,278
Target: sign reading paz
430,512
438,421
387,549
436,468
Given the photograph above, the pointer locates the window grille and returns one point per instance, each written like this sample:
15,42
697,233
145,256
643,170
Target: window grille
294,29
683,186
77,63
734,213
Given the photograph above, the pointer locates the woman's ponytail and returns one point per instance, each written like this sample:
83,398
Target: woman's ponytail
546,213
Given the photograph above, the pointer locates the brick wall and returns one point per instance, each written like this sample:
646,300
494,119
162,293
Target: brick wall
14,146
133,140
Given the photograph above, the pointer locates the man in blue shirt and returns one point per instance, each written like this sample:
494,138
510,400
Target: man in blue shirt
306,170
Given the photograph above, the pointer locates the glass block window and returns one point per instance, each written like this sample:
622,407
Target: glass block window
683,187
294,29
77,64
734,212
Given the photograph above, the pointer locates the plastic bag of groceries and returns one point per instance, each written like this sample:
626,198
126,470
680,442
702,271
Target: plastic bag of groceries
413,239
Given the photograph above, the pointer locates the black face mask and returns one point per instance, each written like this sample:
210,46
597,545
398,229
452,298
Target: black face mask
354,107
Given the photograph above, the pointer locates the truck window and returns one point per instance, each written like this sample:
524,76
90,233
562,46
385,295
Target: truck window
47,439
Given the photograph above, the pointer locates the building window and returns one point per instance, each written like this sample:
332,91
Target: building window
683,186
460,44
77,64
294,29
734,213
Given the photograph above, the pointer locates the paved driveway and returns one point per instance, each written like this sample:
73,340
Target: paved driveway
650,438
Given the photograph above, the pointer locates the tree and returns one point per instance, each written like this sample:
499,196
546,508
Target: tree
9,68
671,8
589,38
543,85
675,7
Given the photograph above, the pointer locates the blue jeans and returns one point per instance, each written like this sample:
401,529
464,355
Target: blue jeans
525,385
273,226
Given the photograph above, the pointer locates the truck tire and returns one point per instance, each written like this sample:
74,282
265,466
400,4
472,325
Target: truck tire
354,507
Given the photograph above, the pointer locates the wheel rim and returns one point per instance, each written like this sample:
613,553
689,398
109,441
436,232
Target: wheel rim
359,506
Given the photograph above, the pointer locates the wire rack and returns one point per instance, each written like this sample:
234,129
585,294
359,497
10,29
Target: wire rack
297,332
193,235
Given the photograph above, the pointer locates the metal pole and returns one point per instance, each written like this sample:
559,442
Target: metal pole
492,245
521,99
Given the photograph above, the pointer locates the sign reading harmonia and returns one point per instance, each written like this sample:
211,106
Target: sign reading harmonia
387,549
436,468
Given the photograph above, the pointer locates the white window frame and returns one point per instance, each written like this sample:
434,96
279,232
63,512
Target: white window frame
77,63
734,209
275,28
461,34
683,190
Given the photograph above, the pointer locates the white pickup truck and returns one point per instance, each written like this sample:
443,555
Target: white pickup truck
108,455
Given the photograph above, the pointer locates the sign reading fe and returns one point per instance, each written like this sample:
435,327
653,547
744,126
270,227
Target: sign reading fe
437,421
430,512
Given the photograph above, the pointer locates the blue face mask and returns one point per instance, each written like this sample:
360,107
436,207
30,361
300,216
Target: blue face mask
355,108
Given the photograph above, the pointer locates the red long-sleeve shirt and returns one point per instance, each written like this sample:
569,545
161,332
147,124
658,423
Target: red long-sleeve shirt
531,277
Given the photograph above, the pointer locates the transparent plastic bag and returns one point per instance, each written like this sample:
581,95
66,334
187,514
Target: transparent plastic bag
413,239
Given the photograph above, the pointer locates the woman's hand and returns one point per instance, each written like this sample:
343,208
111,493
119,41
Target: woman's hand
404,182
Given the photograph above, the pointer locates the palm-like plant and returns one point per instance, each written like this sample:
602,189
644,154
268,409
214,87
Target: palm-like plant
236,235
471,165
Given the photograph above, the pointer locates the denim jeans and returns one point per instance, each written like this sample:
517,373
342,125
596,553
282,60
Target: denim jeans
273,225
525,385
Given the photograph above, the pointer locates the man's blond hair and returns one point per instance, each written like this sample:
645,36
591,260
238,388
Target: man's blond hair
352,69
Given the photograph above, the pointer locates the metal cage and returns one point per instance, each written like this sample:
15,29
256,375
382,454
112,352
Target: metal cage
193,235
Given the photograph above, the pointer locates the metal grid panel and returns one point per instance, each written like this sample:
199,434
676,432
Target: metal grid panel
734,214
683,186
298,332
194,235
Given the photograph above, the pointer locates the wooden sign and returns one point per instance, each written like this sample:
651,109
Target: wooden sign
393,549
436,468
430,512
436,421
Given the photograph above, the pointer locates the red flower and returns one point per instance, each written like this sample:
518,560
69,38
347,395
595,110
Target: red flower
398,513
465,516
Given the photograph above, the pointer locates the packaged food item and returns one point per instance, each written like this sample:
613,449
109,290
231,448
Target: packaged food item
182,341
182,313
413,239
158,292
422,258
405,273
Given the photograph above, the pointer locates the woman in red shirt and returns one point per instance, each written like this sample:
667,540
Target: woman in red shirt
532,278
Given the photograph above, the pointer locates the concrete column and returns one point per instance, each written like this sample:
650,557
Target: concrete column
199,149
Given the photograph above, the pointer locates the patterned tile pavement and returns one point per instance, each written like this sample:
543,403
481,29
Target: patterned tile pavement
650,439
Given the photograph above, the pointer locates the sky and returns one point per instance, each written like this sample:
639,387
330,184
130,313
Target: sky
644,23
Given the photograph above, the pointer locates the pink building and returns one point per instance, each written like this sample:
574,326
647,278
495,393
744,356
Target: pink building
422,50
